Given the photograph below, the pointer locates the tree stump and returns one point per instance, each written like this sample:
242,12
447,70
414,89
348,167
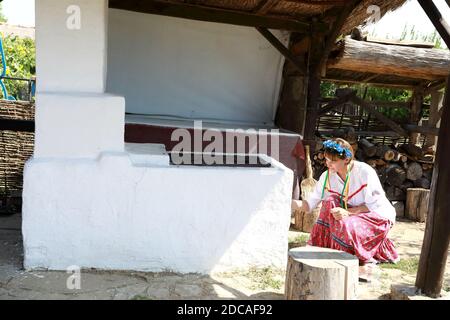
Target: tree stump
315,273
417,204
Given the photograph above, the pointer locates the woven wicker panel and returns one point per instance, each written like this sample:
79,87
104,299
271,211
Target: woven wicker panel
15,147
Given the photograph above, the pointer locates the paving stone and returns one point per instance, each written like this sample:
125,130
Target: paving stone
188,291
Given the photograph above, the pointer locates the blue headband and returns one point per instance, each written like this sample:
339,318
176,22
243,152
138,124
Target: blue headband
330,144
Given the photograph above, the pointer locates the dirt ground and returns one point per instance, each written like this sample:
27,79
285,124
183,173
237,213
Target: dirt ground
15,283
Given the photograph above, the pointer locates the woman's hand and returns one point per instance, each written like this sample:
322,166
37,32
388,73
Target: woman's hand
359,209
300,205
339,213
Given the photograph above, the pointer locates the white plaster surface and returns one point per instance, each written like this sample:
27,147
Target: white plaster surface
108,214
193,69
71,60
146,154
71,125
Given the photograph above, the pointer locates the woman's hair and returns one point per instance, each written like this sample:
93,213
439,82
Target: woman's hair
333,154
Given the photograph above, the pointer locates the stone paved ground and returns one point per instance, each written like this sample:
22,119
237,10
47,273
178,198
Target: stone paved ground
15,283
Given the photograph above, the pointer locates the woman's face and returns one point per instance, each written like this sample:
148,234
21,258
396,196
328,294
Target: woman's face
336,165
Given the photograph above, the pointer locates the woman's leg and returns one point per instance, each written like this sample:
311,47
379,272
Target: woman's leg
320,234
366,236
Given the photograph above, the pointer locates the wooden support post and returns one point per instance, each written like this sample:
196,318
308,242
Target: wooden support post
318,57
430,274
436,102
414,117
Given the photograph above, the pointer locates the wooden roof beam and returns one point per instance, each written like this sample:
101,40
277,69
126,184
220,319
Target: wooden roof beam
282,49
210,14
375,84
414,63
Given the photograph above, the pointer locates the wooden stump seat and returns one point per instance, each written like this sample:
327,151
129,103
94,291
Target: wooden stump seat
315,273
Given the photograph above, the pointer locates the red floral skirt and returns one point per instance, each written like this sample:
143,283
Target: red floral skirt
363,235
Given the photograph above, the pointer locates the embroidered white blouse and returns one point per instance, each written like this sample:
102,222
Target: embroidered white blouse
364,189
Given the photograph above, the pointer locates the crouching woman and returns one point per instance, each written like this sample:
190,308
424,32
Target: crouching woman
356,216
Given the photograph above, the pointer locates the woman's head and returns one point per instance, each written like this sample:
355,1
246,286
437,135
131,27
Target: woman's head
338,153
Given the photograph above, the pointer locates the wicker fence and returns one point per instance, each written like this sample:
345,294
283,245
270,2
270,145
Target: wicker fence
15,147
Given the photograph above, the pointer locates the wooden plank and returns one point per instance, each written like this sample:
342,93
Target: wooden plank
407,43
372,109
430,275
383,104
433,131
282,49
372,83
436,18
210,14
366,133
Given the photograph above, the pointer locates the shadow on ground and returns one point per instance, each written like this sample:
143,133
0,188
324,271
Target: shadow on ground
16,283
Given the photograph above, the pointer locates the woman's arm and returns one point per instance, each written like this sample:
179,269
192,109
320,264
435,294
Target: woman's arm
300,205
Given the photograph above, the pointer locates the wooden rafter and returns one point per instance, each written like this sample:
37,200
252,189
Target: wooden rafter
282,49
372,109
336,103
370,78
372,83
436,18
210,14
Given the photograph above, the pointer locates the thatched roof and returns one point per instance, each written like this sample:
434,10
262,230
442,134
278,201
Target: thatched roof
302,10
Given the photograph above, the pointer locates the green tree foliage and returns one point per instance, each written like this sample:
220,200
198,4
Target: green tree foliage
2,16
374,94
20,54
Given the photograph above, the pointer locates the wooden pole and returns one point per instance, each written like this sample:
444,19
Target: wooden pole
436,18
433,257
436,101
318,56
416,108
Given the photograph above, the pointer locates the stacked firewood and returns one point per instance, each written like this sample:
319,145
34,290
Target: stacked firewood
399,166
